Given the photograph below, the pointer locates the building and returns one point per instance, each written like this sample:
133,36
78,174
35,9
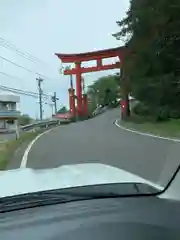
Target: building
9,112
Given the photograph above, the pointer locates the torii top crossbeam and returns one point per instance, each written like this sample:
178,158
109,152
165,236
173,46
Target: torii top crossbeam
89,56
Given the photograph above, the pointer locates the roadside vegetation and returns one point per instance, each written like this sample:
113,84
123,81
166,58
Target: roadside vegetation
152,68
151,33
25,120
105,92
169,128
8,149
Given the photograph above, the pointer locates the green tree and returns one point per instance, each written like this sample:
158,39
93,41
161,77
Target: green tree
152,34
104,91
63,110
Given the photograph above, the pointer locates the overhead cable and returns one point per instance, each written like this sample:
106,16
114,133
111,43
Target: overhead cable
6,44
14,77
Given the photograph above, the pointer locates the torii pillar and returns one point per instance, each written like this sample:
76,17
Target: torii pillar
98,56
79,89
72,102
84,100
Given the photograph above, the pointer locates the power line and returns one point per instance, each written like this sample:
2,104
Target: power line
20,66
10,76
17,65
19,53
14,77
22,92
6,44
18,92
26,55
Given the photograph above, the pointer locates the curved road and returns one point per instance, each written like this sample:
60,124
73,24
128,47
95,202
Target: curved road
99,140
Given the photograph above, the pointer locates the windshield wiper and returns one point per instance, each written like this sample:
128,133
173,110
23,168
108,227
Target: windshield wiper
57,196
31,200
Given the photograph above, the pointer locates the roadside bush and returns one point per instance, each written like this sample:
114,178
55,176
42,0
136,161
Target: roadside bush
162,113
175,113
114,104
141,109
9,148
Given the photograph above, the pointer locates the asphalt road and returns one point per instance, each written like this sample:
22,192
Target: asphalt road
99,140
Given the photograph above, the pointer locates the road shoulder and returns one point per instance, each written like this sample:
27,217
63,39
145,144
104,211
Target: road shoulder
145,130
15,162
13,151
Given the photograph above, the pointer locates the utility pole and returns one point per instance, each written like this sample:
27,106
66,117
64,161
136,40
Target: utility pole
40,80
54,100
52,110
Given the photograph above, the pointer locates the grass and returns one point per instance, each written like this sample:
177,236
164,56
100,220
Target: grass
170,128
7,149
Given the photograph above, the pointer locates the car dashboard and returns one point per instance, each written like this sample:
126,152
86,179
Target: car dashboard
111,218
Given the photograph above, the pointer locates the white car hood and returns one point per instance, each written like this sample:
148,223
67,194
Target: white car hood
26,180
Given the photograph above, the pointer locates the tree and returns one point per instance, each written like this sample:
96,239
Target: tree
103,91
152,34
62,110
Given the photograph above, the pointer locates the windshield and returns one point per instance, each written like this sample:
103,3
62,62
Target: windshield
88,97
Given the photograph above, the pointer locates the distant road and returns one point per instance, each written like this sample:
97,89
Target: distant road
99,140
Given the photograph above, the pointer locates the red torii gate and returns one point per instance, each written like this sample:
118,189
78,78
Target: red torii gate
82,102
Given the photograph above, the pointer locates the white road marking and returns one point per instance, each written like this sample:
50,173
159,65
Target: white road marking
146,134
25,156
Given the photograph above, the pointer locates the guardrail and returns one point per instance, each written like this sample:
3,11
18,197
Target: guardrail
43,124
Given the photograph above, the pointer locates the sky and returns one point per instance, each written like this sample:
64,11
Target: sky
44,27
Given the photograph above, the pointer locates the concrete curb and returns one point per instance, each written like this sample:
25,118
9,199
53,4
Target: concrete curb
145,133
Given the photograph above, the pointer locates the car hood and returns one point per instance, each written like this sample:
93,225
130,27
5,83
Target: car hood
26,180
